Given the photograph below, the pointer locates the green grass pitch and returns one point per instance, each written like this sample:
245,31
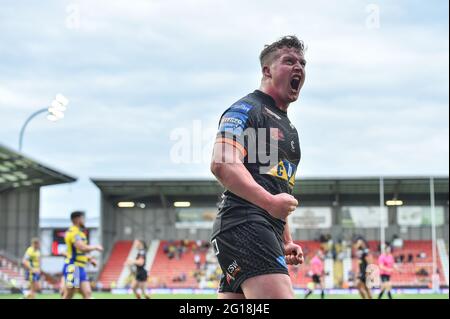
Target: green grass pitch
103,295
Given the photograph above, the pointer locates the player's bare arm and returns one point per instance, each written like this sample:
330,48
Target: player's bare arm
138,262
292,251
228,168
26,264
384,268
92,261
87,248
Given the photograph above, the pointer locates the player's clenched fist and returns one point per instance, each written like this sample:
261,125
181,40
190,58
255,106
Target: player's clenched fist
293,254
282,205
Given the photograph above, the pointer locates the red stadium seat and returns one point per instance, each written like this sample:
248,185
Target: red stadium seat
165,269
113,267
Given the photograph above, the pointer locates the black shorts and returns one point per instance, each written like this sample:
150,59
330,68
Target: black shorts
248,250
316,279
385,278
141,275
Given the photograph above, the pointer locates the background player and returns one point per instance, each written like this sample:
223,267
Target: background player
317,269
32,263
74,270
386,263
362,253
140,274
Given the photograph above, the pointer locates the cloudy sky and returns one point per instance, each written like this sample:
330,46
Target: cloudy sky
141,74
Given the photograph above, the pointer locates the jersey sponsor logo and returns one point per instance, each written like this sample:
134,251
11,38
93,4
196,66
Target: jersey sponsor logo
284,170
292,146
233,122
242,106
232,271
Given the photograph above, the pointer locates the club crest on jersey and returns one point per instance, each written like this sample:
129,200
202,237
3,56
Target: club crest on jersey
284,170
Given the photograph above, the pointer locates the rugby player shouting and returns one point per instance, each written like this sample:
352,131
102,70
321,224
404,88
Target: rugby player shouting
255,158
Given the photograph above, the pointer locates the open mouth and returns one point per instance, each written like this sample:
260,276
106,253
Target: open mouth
295,83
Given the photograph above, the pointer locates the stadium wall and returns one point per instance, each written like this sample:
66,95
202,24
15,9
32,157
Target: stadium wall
19,219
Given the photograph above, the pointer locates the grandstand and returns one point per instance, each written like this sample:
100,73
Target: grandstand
165,270
112,270
175,218
172,215
11,273
21,179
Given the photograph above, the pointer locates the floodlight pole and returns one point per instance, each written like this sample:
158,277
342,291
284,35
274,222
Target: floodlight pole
435,283
22,130
382,230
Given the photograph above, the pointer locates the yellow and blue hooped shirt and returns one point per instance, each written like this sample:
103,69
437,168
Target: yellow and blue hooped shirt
75,256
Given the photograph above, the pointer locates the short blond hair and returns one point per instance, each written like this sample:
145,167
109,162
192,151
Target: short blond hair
269,52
